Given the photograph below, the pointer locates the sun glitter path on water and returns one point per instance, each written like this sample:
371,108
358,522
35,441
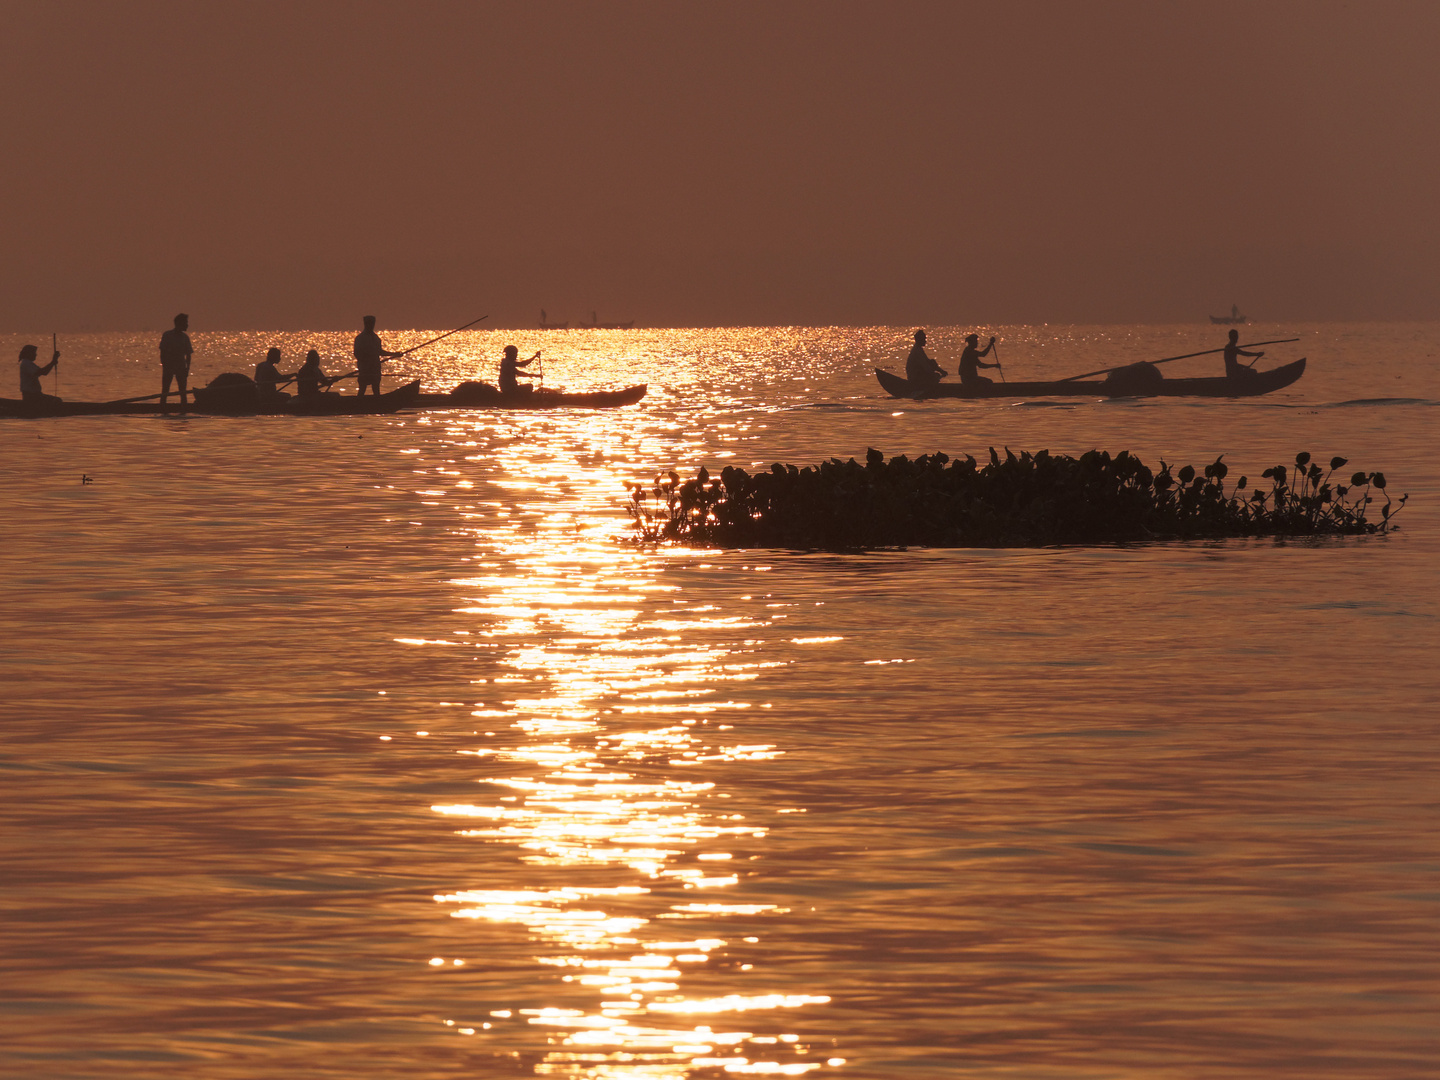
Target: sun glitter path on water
598,780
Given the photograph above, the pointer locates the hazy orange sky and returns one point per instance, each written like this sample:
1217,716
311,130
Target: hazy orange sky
293,165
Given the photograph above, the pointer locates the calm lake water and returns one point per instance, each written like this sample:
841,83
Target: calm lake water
360,747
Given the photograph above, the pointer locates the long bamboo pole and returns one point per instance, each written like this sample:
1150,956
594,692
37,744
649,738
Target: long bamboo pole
412,348
1187,356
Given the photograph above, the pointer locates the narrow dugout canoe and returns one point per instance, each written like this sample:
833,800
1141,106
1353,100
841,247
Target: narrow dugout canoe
1127,382
222,403
472,395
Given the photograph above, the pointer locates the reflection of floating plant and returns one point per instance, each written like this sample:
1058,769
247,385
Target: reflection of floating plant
1030,500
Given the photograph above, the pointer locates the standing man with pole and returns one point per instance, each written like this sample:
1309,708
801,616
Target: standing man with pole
368,355
175,355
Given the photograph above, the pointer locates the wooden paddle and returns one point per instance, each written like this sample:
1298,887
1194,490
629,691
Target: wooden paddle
407,352
1186,356
995,349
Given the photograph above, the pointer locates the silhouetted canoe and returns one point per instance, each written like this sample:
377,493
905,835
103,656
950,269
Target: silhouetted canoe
1132,381
596,324
481,395
222,403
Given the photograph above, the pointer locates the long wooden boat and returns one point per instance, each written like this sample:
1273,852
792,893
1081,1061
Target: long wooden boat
224,404
1127,382
480,395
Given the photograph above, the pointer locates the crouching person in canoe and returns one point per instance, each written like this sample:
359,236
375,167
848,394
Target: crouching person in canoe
510,372
30,373
267,379
922,373
970,362
1233,368
310,379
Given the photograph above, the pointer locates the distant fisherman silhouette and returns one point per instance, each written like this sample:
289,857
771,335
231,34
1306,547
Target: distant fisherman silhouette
30,373
1233,368
510,372
267,378
921,372
368,355
970,362
309,378
175,356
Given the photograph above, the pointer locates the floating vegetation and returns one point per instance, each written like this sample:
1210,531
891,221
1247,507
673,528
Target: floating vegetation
1031,500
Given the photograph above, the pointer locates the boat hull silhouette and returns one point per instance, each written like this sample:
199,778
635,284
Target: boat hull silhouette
1263,382
485,396
213,403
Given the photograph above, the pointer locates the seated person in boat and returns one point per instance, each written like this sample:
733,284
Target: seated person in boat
310,378
510,372
921,372
267,378
30,373
1233,368
970,362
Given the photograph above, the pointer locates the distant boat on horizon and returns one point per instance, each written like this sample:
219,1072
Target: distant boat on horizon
596,324
1233,319
546,324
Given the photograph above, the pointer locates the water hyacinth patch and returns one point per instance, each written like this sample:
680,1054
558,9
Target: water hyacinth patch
1029,500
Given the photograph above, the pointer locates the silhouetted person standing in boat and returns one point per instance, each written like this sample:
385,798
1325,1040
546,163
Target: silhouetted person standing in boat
309,378
510,372
1233,368
175,355
970,362
921,372
267,378
368,355
30,373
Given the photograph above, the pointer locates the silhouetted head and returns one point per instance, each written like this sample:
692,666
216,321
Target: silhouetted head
511,352
313,356
273,356
973,339
182,321
369,322
28,352
1234,335
919,337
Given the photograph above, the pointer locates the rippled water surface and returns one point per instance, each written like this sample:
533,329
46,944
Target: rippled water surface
361,747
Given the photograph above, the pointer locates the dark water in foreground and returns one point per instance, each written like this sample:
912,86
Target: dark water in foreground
358,747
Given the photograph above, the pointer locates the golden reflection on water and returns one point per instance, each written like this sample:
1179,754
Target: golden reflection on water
606,702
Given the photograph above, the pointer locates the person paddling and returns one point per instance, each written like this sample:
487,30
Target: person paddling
510,372
175,356
922,373
368,355
267,378
1233,368
310,378
30,373
970,362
